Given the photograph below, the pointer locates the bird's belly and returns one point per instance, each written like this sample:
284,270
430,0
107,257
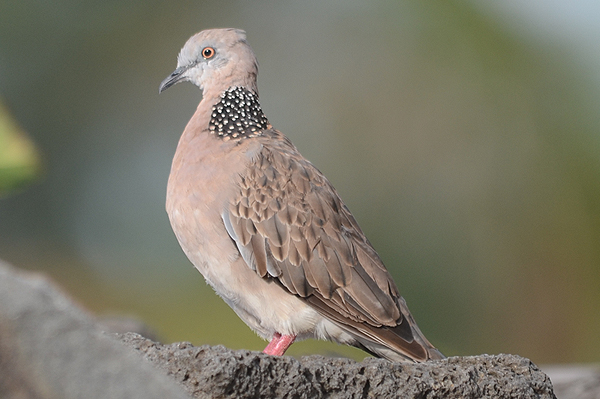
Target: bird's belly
261,303
267,308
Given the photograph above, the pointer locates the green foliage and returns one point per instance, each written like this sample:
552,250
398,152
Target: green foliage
19,159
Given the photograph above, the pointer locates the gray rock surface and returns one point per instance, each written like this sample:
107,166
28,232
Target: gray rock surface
220,372
50,348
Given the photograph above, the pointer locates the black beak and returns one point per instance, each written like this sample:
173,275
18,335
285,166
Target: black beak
174,78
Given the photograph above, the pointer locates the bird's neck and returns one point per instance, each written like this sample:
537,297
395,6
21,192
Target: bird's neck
236,114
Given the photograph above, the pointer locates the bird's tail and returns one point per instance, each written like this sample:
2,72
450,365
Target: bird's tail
403,343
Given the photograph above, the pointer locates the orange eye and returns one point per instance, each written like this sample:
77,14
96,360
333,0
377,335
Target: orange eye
208,52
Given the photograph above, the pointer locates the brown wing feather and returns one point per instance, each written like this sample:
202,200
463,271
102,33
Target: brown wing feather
289,224
311,239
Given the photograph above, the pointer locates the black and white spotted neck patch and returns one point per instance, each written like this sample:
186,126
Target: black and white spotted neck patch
238,115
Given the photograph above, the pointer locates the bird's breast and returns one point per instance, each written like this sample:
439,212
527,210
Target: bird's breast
204,176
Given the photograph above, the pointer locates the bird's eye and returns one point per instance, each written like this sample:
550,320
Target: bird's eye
208,52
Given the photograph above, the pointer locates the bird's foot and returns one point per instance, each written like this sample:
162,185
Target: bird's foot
279,344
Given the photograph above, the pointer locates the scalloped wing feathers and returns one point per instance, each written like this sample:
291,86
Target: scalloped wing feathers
289,224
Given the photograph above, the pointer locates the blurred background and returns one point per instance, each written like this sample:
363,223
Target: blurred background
463,135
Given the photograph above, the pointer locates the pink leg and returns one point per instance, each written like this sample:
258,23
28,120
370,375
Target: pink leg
279,344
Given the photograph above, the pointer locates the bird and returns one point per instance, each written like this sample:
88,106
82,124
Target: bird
265,227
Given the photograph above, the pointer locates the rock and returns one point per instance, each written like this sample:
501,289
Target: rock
220,372
50,348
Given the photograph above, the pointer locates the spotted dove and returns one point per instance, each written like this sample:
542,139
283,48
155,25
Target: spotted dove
263,225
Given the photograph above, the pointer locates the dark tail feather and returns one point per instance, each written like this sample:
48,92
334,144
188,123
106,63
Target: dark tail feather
403,343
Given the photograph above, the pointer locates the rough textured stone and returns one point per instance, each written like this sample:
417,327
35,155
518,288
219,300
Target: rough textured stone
220,372
50,348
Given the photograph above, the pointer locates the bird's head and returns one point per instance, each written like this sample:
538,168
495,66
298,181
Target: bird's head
215,60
